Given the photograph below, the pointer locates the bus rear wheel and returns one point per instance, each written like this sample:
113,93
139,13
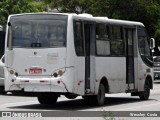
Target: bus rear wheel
99,99
146,93
70,96
47,98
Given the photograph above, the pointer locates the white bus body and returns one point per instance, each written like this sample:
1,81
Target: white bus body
156,69
88,56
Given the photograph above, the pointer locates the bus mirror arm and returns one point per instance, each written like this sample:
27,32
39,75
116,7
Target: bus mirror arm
152,43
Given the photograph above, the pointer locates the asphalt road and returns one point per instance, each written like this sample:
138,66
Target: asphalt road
114,102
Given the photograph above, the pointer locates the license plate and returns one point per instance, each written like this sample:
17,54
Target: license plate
35,71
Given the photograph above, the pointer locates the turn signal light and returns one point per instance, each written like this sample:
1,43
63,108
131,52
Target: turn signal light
11,72
60,72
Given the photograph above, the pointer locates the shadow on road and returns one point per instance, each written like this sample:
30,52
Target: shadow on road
156,82
78,104
20,94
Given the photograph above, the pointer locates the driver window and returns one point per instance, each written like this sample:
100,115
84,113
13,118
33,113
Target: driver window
143,43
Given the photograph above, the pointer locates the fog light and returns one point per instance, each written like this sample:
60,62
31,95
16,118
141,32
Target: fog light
11,72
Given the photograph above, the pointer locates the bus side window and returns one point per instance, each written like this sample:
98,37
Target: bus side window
117,42
78,38
102,40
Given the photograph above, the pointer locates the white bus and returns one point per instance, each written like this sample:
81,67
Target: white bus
77,55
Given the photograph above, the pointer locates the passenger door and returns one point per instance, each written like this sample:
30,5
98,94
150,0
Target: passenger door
89,41
130,73
2,71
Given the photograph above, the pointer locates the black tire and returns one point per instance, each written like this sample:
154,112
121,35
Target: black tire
100,98
70,96
47,98
2,91
146,93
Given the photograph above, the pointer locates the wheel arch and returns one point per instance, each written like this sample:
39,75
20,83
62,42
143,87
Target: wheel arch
104,81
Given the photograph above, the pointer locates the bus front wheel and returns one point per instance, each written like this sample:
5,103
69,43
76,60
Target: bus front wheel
2,91
47,98
146,93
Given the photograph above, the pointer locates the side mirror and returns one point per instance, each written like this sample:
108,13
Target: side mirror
2,59
152,43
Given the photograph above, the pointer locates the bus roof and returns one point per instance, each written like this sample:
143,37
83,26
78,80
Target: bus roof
89,17
107,20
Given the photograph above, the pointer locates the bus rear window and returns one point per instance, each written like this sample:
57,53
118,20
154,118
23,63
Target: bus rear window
46,31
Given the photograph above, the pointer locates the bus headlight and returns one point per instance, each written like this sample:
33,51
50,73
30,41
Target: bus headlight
58,73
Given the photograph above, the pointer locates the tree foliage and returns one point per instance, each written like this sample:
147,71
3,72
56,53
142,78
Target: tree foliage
145,11
8,7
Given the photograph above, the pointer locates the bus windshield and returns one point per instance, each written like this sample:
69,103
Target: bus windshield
44,31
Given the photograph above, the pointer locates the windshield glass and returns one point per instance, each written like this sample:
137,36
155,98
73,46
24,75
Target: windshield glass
40,30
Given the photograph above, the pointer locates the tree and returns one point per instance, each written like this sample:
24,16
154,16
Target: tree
8,7
145,11
71,6
136,10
